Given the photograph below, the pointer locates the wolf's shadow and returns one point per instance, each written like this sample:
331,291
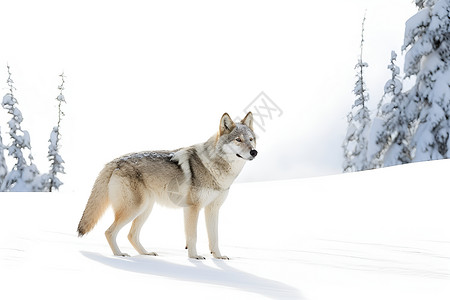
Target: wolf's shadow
199,272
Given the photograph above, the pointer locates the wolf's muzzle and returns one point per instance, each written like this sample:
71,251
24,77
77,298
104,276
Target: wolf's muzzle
253,152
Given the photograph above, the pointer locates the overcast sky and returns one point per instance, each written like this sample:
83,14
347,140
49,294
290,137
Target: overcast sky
148,75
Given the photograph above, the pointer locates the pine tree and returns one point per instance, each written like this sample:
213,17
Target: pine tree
356,140
392,127
3,166
54,157
427,43
22,177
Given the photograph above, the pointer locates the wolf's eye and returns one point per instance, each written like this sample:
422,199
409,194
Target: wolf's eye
238,140
251,139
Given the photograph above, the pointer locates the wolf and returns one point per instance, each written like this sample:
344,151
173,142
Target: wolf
191,178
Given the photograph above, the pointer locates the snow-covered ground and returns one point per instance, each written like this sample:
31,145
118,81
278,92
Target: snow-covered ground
381,234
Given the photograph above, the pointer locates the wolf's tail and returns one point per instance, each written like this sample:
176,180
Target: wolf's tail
98,201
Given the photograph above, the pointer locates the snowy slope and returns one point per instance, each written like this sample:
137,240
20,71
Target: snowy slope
381,234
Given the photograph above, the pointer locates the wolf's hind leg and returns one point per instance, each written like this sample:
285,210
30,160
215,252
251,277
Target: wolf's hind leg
135,231
122,218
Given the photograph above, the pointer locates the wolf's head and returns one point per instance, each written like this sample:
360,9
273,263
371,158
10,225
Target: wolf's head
237,139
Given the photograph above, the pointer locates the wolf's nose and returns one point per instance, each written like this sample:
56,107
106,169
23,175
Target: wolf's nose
253,152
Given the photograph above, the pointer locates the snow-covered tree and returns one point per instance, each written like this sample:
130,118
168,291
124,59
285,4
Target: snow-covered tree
3,166
391,129
52,181
356,140
427,41
22,177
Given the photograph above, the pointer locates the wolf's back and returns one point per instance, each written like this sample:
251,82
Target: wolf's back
98,201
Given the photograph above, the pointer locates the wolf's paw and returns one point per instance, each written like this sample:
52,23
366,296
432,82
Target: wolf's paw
222,257
122,254
219,256
150,253
197,257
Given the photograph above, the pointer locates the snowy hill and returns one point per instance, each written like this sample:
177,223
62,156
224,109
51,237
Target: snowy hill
382,234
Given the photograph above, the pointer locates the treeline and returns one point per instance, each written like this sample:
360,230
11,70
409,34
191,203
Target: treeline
24,175
412,125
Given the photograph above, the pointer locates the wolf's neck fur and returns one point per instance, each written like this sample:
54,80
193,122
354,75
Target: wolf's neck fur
224,167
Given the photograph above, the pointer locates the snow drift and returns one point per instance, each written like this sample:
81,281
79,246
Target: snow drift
382,234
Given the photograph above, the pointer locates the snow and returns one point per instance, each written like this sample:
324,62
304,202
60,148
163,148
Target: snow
440,18
373,147
415,30
416,26
8,100
26,140
3,166
393,86
441,79
53,139
426,36
381,234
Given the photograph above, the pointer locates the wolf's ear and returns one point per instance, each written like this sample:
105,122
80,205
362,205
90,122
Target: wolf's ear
248,120
226,124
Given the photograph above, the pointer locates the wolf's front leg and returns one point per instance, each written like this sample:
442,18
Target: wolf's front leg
190,227
212,226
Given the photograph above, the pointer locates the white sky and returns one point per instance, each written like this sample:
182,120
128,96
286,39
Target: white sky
148,75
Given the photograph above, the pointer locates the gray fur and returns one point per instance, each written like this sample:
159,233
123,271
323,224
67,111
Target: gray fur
194,177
